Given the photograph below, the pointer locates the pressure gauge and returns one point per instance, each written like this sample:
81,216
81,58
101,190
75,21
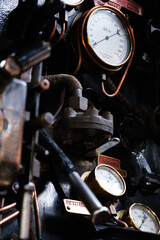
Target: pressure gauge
107,181
73,2
106,37
142,218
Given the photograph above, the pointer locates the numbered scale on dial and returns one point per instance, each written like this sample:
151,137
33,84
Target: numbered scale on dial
142,218
105,181
108,37
105,36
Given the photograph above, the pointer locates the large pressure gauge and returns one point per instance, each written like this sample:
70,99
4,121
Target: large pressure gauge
106,181
142,218
106,37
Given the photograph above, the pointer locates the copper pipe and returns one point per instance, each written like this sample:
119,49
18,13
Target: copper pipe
62,33
1,206
61,36
121,81
79,53
120,222
131,107
7,207
41,86
100,65
53,31
9,217
38,219
6,219
125,72
62,97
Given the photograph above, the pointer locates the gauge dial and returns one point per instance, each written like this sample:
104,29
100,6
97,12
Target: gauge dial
73,2
109,180
143,218
105,181
108,37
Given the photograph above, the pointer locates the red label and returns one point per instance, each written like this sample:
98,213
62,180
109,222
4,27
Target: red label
113,162
128,4
122,172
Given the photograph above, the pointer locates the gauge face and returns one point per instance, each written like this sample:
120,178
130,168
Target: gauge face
108,37
110,180
144,218
73,2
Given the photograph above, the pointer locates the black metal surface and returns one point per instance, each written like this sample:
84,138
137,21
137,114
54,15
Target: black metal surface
139,88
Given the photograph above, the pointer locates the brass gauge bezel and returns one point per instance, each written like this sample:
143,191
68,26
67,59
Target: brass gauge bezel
128,216
92,181
74,4
88,48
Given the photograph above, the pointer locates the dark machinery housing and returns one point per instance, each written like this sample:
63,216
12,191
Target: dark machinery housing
79,119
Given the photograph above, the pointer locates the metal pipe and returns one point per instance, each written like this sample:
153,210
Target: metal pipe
6,219
99,213
25,58
120,222
8,207
38,219
65,81
24,232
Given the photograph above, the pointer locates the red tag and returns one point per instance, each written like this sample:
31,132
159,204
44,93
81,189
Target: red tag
129,4
122,172
113,162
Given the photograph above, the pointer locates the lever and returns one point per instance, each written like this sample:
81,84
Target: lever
99,213
25,58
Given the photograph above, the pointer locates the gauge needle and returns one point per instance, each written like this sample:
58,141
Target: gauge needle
107,37
143,220
141,223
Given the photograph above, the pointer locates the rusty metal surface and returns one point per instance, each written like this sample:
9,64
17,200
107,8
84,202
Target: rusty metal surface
12,106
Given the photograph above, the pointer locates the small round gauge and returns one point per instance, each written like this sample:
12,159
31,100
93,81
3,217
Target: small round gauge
73,2
106,180
107,37
143,218
109,180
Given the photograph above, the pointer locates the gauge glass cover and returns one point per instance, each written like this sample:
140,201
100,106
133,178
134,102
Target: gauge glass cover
144,218
109,180
72,2
108,37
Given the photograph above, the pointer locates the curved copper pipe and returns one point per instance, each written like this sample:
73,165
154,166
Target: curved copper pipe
79,52
126,70
130,106
120,222
99,64
53,31
61,36
123,77
62,97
